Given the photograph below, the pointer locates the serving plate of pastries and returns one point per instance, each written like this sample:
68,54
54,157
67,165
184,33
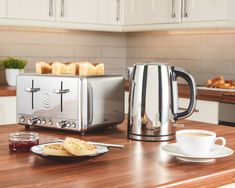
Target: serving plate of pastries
69,149
219,84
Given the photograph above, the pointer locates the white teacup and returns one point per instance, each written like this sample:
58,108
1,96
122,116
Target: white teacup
197,142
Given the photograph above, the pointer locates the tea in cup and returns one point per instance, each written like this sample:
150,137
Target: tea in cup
197,142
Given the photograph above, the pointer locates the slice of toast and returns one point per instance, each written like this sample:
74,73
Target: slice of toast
78,147
88,69
56,149
43,68
61,68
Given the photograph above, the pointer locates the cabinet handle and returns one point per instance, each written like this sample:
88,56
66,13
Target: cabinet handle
62,8
118,10
173,8
180,108
185,8
50,8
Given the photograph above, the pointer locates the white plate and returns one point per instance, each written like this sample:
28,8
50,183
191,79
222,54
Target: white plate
215,89
38,150
217,151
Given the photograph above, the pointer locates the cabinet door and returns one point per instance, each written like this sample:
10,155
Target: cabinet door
162,11
31,9
204,10
82,11
134,12
205,111
3,8
7,110
110,12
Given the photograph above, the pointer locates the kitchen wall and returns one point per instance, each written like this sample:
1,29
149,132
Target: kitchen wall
63,45
205,53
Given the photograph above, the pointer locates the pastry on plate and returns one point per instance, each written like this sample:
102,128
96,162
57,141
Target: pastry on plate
78,147
56,149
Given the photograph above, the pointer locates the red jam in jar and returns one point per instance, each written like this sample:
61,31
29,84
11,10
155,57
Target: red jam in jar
23,141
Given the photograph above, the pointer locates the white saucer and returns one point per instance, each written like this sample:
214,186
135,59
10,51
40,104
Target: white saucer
217,151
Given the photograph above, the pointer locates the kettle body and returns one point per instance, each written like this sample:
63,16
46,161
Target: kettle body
153,101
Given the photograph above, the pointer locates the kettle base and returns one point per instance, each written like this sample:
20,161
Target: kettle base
152,138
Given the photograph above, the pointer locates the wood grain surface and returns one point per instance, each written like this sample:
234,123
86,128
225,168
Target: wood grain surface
138,164
7,91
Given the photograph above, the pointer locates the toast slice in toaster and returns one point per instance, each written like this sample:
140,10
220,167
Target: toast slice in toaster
56,149
87,69
61,68
78,147
43,68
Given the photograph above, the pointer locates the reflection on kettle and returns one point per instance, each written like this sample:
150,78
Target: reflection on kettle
153,101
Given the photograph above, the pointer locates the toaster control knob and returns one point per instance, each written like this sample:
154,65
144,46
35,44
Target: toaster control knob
68,124
43,122
61,124
50,122
32,121
22,120
73,125
39,121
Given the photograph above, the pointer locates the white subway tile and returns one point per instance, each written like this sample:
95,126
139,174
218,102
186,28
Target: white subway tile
84,51
114,52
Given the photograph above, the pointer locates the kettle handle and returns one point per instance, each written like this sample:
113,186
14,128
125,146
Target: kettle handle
193,92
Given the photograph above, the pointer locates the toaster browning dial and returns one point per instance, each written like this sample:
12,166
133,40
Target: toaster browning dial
61,124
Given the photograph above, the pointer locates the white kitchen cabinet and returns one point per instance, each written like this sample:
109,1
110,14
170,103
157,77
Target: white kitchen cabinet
162,11
79,11
7,110
3,8
204,10
31,9
205,111
110,12
134,12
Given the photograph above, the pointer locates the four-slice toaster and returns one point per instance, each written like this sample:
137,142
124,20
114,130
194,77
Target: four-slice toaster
70,102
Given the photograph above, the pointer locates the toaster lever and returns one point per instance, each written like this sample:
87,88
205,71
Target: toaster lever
61,91
32,90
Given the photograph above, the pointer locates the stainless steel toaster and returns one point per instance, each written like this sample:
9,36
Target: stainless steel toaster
70,102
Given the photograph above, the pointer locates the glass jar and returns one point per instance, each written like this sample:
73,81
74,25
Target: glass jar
23,141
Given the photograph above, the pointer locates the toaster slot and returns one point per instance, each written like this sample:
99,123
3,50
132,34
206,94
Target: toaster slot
32,90
61,92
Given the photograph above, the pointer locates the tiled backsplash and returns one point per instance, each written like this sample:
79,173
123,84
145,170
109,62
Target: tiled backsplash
62,45
205,53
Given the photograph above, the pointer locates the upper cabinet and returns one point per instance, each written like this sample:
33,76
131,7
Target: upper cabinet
204,10
3,8
82,11
134,12
162,11
110,12
31,9
119,15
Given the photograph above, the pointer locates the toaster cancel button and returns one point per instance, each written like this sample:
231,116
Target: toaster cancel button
50,122
73,125
43,122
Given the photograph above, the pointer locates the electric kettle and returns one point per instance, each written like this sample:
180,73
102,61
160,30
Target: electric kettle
153,101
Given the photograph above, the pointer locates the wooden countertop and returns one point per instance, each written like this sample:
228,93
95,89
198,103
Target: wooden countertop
218,96
6,90
138,164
